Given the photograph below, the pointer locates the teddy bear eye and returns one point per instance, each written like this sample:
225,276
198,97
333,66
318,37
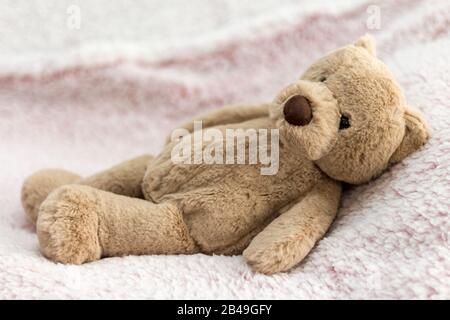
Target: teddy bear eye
344,123
323,79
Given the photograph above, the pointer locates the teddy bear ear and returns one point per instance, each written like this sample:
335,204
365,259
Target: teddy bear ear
367,42
416,135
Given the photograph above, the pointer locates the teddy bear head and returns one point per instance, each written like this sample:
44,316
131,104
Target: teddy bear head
348,115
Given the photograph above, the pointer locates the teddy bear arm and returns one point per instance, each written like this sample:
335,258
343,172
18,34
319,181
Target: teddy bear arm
290,237
226,115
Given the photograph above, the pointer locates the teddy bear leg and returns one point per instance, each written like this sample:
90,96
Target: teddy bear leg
124,178
38,186
79,224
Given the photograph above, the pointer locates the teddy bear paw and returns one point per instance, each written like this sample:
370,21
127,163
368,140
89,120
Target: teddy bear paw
68,224
39,185
267,261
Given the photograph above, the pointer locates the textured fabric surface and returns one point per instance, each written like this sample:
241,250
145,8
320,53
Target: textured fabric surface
113,89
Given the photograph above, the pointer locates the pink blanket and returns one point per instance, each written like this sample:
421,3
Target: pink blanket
86,101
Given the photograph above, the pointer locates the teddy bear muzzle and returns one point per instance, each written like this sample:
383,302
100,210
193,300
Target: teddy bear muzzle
297,111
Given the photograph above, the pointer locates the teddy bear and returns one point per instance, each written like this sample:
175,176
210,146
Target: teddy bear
345,121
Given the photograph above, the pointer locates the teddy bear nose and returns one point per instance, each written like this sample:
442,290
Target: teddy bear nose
297,111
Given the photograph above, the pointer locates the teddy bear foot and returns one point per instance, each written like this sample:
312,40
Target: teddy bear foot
39,185
67,226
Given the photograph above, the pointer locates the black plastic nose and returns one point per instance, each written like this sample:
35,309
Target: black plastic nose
297,111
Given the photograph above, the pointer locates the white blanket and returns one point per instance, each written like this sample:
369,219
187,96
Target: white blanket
84,99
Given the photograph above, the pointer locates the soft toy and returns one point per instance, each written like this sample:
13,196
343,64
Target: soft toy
345,121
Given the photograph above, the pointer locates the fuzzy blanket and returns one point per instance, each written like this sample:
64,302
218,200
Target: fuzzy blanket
86,98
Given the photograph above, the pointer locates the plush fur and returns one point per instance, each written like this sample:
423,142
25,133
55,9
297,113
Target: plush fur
274,220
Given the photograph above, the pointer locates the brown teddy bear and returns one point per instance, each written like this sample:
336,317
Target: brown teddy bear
346,120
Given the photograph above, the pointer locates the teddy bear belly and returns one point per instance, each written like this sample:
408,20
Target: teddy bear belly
226,224
225,206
